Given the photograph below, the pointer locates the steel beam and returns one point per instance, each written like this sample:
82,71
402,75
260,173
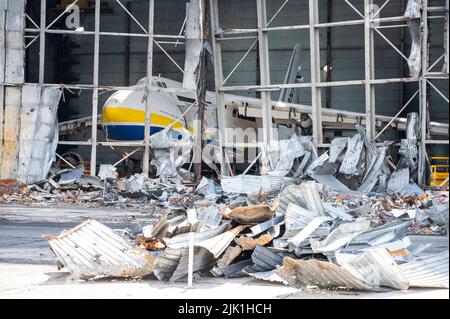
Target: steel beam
148,84
316,98
218,77
369,66
95,91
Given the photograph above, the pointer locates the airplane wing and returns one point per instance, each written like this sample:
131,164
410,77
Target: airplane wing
251,107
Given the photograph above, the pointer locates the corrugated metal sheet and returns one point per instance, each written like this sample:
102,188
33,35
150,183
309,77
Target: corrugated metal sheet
305,195
252,185
264,260
165,265
338,144
94,250
376,268
334,184
398,227
182,241
307,273
373,172
298,217
266,276
306,232
38,133
203,259
218,244
398,181
411,190
349,165
428,271
260,228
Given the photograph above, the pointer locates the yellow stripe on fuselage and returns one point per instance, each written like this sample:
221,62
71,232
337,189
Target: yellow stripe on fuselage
127,115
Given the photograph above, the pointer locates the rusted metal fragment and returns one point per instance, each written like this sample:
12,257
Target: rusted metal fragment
230,254
218,244
252,214
11,186
249,243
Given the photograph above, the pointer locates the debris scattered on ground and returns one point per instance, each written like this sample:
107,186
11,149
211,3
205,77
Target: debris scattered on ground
338,220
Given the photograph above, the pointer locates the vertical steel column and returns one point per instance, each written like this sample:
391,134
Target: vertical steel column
43,26
148,84
423,96
264,66
316,98
95,93
218,76
369,69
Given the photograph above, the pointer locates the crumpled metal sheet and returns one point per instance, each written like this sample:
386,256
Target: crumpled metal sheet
194,44
333,183
338,144
305,195
398,227
298,217
413,15
283,153
340,236
218,244
367,271
264,260
306,273
266,276
398,181
182,240
71,176
253,185
410,152
377,268
349,165
203,260
411,189
306,232
38,132
165,265
428,271
92,250
373,173
260,228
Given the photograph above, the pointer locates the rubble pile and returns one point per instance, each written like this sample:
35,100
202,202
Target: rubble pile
304,236
339,220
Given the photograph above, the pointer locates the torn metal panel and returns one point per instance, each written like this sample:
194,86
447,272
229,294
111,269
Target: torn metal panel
428,271
194,43
352,156
283,153
398,181
411,190
165,265
338,144
260,228
72,176
333,183
337,212
264,260
373,172
301,168
203,260
377,268
413,15
306,232
38,132
231,271
92,250
398,227
218,244
253,185
182,240
298,217
318,162
307,273
265,275
410,152
340,236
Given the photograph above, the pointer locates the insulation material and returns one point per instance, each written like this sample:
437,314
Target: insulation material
38,133
194,43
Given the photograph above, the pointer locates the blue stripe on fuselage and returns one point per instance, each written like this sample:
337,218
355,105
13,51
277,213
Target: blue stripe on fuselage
128,132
